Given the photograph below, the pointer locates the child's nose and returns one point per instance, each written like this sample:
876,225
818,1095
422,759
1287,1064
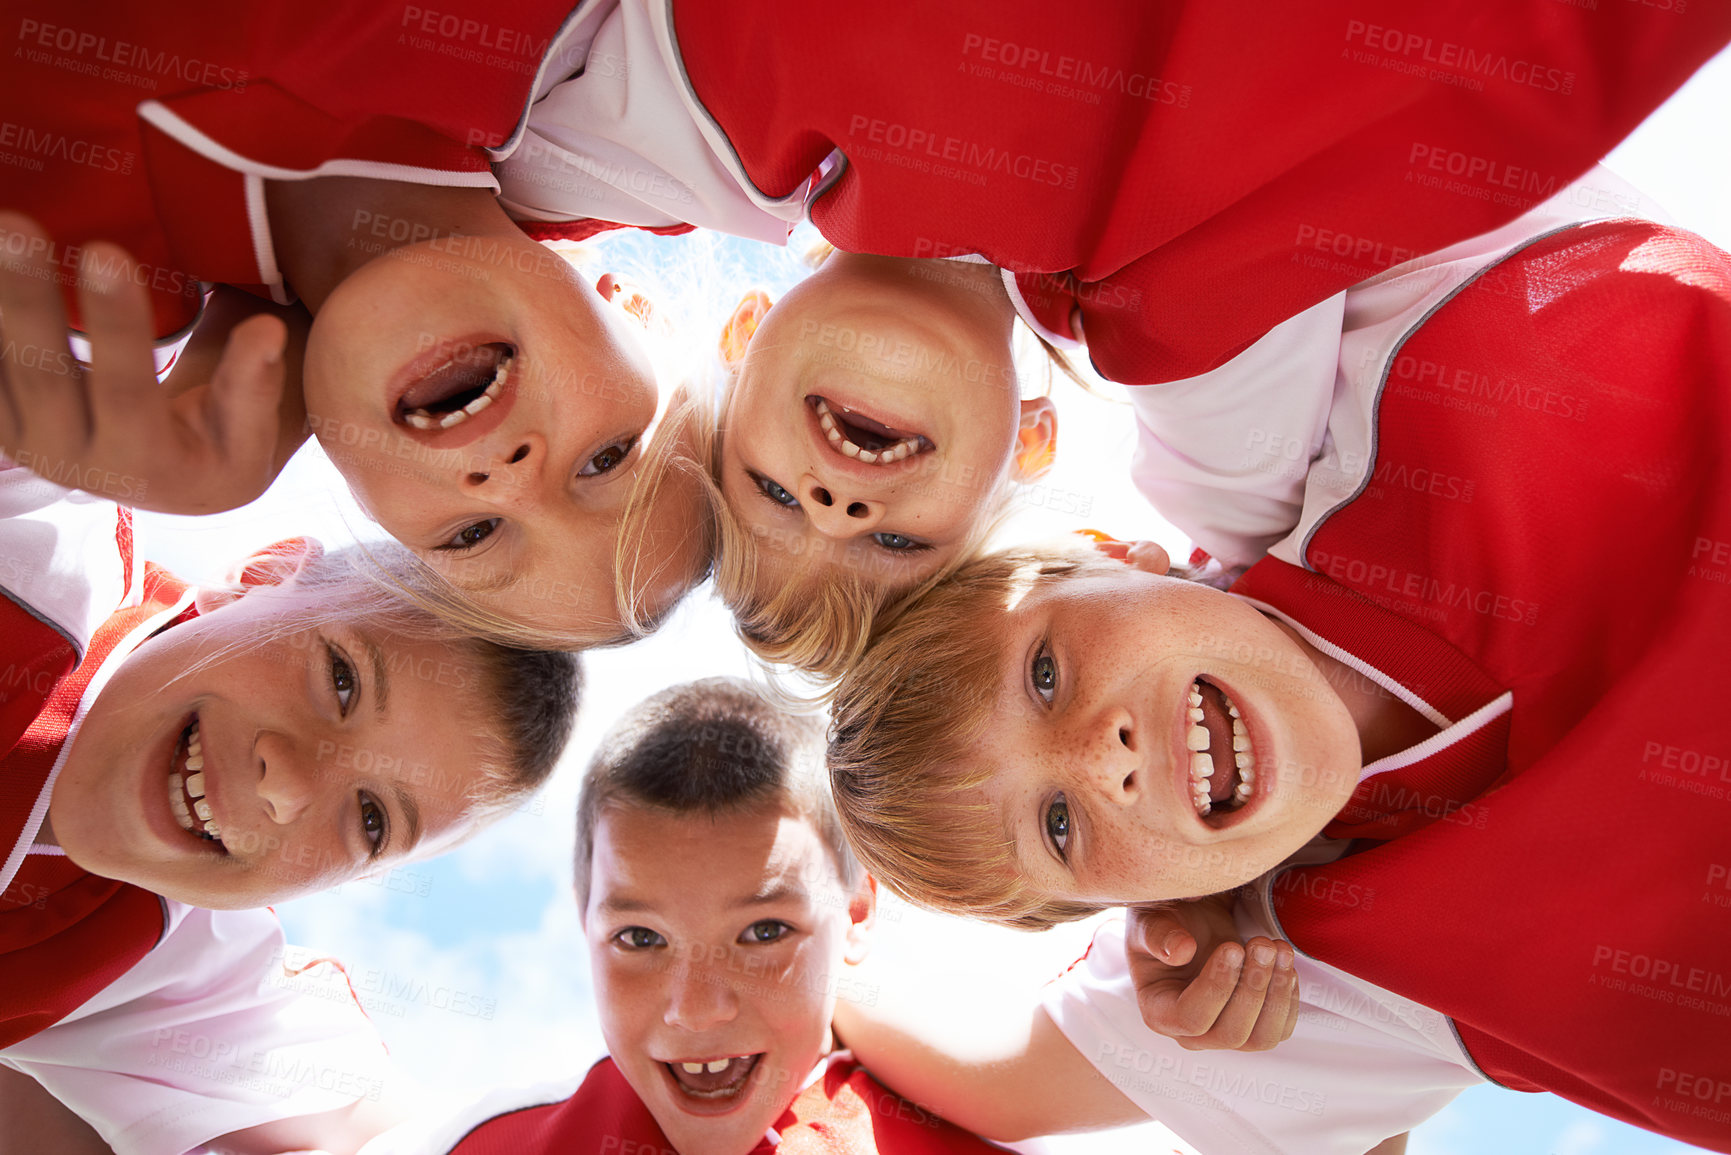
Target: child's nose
1117,765
286,780
835,513
699,996
508,470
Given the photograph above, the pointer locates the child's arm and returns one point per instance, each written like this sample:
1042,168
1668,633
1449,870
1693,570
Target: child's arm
210,440
1007,1077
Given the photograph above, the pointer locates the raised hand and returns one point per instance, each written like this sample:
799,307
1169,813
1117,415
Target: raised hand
111,429
1196,983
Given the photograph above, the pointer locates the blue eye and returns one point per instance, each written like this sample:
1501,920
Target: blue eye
1043,674
473,535
639,938
769,930
1058,824
775,492
898,542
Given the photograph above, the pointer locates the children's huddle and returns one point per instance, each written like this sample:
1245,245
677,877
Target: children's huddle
1399,708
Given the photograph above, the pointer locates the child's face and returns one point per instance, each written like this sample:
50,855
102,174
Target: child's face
845,370
717,941
1092,741
327,754
489,410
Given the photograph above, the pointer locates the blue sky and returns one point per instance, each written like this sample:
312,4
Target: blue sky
472,966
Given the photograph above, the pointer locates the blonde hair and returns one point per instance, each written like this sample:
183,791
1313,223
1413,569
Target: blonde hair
904,720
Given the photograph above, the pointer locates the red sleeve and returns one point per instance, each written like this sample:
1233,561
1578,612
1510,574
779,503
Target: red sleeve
1187,175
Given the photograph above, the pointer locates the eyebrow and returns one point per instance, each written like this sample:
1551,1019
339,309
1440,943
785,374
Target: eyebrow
411,815
381,679
777,893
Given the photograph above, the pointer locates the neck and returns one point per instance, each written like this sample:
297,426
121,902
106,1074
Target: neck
1386,725
325,229
967,289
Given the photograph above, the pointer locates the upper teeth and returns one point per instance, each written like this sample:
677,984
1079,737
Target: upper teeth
194,786
906,447
422,419
714,1067
1197,740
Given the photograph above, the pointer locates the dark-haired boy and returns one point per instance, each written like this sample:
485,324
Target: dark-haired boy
723,912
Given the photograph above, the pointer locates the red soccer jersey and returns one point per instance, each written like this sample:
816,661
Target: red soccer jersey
1180,177
845,1112
156,128
1537,557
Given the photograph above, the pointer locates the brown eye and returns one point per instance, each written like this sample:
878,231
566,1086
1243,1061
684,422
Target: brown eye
608,459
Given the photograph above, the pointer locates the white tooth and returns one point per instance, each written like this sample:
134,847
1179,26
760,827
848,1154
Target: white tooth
718,1065
502,375
1195,696
1241,791
202,809
1201,764
849,449
210,829
868,457
1241,759
451,419
823,407
1238,726
1196,713
834,437
195,763
419,420
1246,775
195,785
1241,741
478,404
1204,808
1230,708
827,422
1197,738
693,1068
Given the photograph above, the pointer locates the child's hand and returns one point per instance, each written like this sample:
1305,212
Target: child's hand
1197,984
1144,555
113,429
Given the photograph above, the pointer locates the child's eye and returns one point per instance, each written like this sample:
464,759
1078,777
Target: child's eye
899,542
775,492
472,535
1043,672
608,459
769,930
639,938
1058,825
375,825
343,679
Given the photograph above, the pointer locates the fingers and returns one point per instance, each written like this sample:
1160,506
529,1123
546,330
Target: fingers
1148,555
122,385
38,374
1255,1017
245,391
1160,933
1189,1010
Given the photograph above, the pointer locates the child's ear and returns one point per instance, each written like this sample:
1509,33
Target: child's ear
1036,439
271,566
862,913
627,296
736,334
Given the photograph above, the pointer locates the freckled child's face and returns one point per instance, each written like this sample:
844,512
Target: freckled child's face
1158,739
871,427
274,769
716,945
490,410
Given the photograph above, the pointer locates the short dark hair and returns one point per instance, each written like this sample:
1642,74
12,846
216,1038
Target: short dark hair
715,746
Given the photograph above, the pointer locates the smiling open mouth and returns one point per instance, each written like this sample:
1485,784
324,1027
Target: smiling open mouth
854,435
713,1078
1222,760
458,389
186,787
